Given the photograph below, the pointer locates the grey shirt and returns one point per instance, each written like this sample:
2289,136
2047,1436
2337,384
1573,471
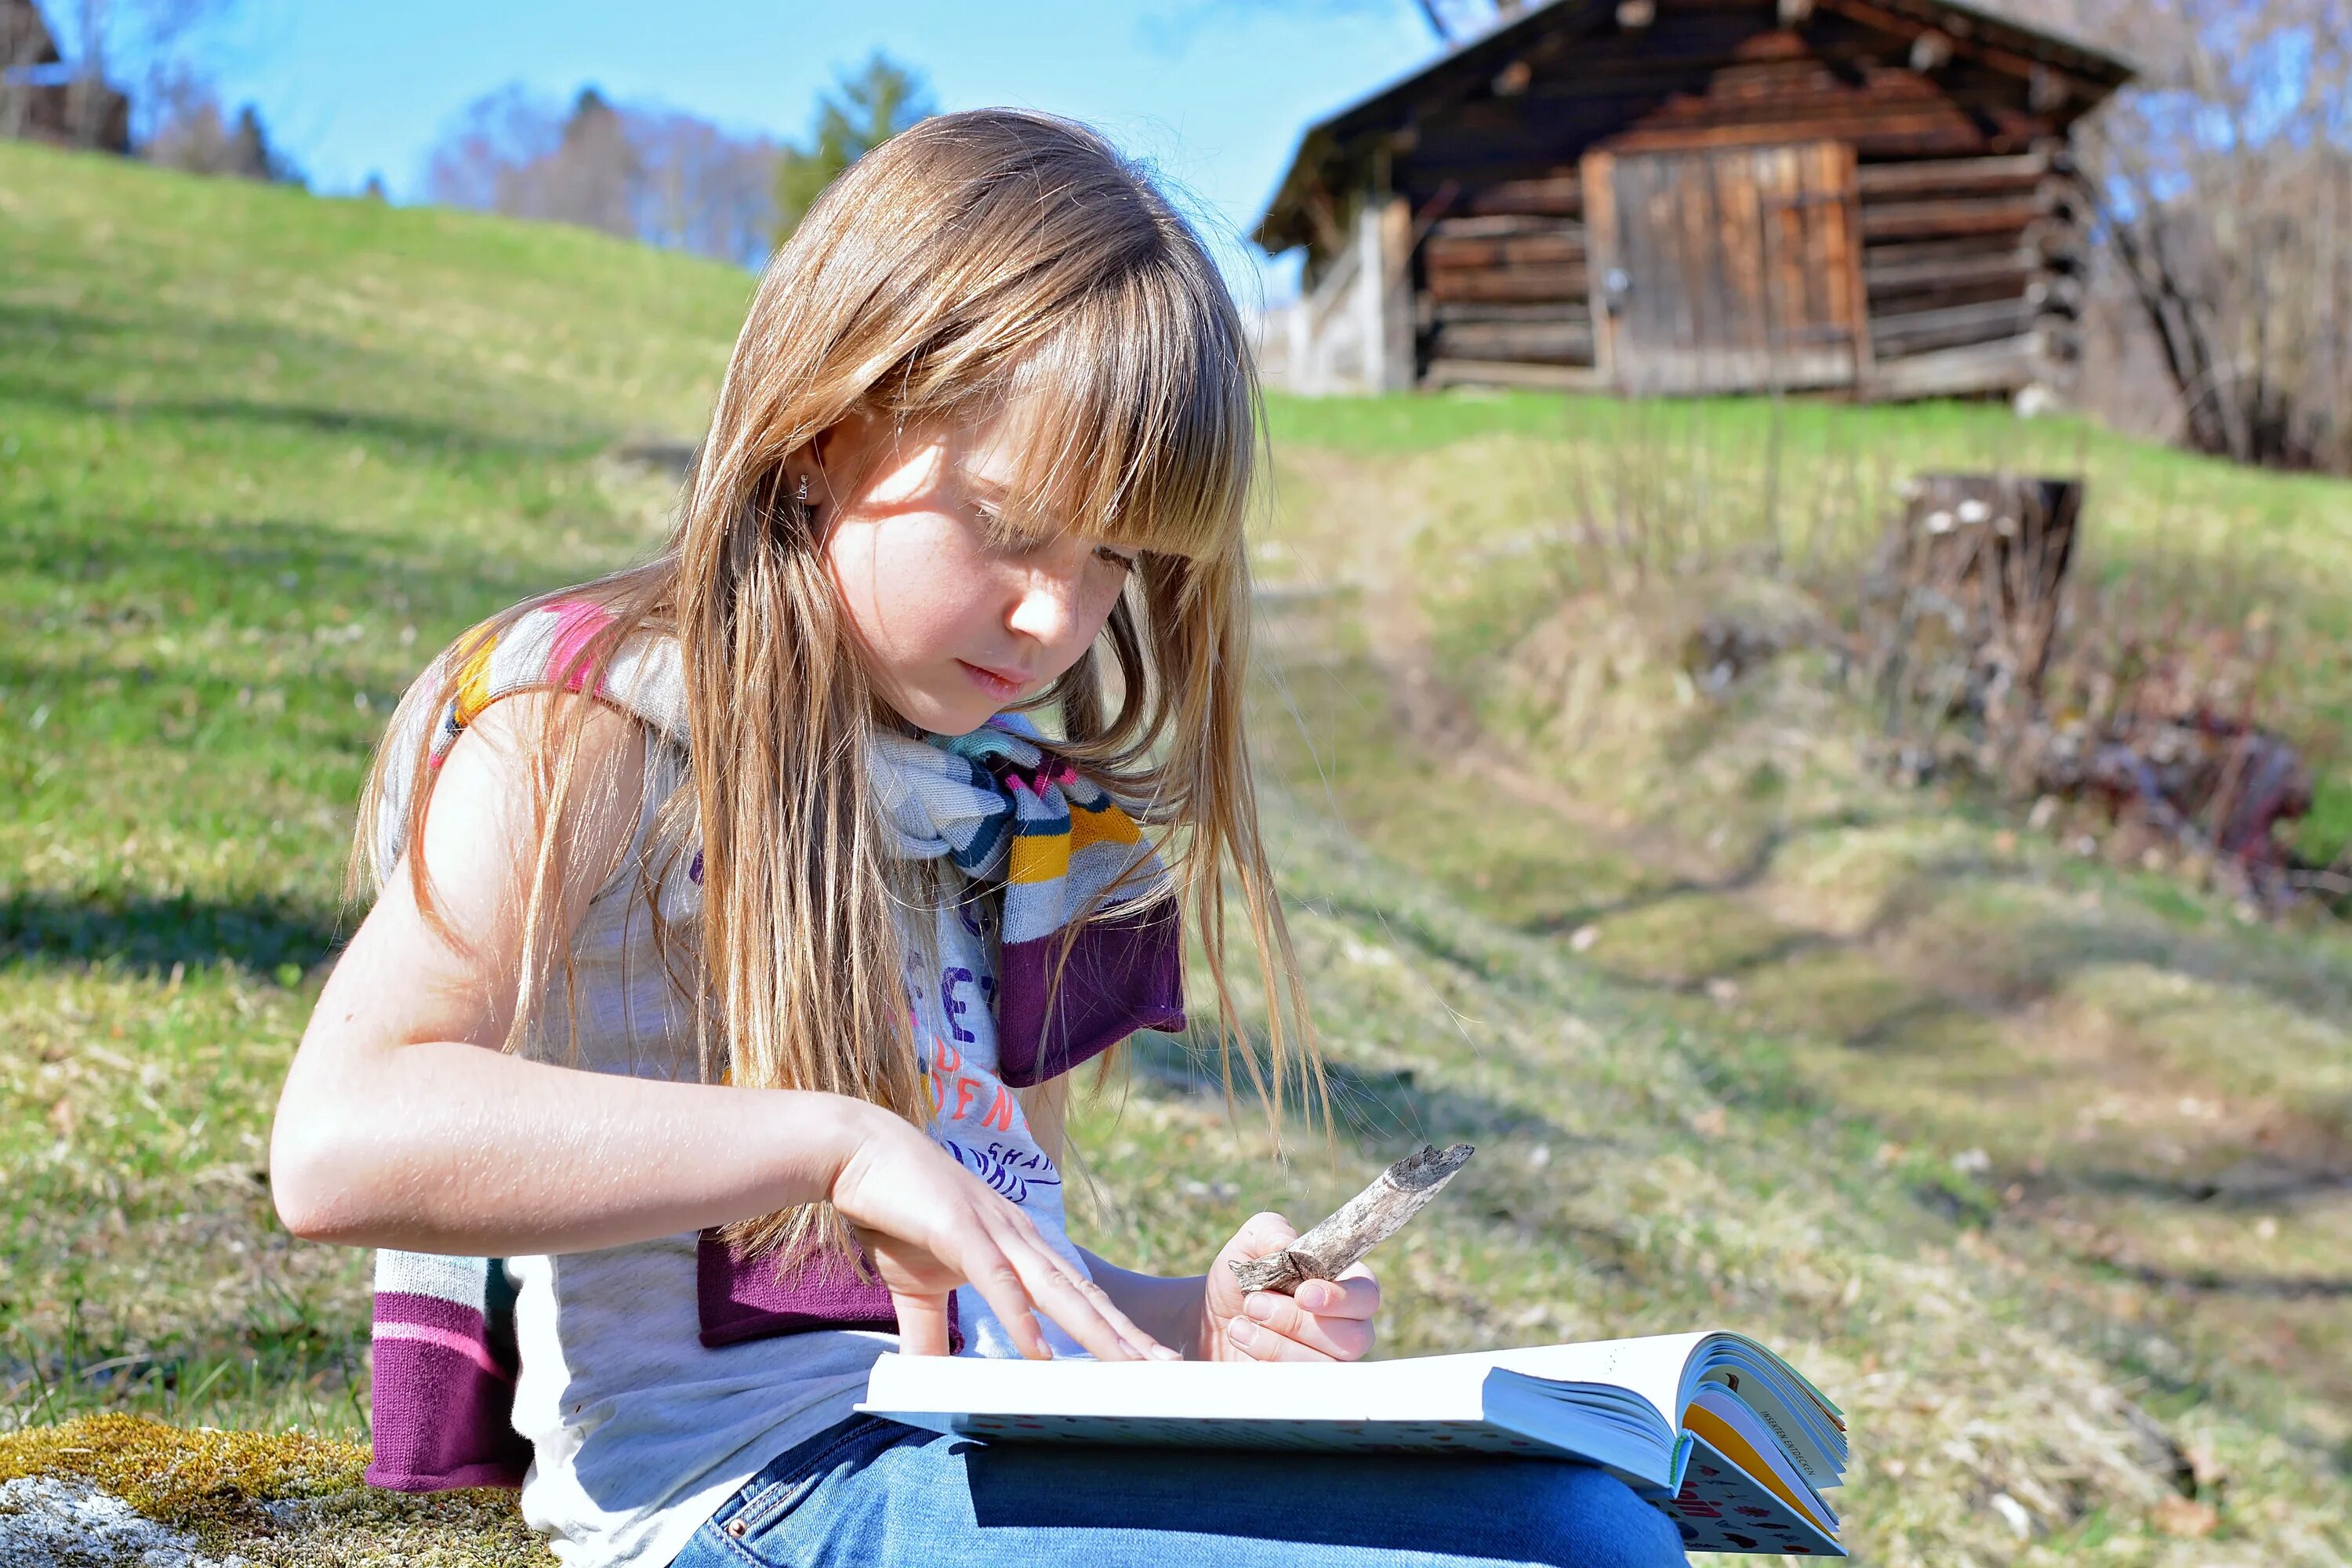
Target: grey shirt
639,1433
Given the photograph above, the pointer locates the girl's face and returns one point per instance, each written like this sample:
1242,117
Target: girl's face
954,620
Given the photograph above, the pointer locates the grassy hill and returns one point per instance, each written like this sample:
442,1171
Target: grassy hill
2037,1164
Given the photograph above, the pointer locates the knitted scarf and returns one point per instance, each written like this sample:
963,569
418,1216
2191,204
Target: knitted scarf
997,803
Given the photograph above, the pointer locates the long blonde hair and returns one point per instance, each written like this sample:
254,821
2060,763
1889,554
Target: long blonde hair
981,265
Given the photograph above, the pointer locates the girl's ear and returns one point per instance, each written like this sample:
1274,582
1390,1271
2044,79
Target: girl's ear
838,451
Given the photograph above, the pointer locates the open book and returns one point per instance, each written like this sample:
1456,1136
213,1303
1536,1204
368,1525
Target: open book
1732,1442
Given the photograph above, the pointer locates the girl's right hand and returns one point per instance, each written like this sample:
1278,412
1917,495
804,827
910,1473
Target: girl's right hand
930,1225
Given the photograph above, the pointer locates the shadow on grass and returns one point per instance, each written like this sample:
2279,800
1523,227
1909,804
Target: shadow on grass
1750,871
152,935
2215,1282
1420,936
403,432
2249,1185
272,1367
2312,982
263,567
1384,1113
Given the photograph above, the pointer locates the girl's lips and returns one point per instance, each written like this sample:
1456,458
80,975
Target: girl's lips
991,681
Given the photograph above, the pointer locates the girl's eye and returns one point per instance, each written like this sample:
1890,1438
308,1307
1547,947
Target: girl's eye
1003,535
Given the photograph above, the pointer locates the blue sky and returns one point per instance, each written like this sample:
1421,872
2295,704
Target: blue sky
1214,92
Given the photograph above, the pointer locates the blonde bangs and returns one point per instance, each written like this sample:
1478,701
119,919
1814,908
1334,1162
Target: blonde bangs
1135,417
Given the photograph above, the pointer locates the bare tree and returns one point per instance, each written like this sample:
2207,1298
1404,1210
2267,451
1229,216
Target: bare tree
479,158
191,131
26,47
513,153
89,61
2225,186
702,190
589,178
659,175
145,46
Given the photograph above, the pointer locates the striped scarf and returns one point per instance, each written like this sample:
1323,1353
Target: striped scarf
997,803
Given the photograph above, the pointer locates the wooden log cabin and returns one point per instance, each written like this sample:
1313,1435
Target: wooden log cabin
1869,198
42,100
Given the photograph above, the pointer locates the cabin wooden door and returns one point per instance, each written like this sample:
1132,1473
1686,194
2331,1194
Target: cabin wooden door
1726,269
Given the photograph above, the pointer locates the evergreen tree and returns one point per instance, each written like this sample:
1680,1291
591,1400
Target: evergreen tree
863,111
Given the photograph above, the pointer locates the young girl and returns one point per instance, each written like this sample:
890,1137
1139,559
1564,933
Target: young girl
737,932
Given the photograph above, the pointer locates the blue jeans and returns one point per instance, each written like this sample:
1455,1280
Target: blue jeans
872,1493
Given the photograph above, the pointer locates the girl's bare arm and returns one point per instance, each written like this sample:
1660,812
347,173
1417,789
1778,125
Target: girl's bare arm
402,1125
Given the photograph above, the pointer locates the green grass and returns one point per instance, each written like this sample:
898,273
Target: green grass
1745,1038
262,454
1513,501
2119,1096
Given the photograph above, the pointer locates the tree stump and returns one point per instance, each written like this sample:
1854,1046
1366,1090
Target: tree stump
1966,592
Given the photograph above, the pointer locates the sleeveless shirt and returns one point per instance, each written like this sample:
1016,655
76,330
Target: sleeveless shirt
638,1432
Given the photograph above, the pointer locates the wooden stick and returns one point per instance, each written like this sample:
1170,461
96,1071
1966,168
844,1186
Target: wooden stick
1361,1224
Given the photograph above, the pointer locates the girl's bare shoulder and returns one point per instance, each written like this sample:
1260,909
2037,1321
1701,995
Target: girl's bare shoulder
487,804
439,954
522,725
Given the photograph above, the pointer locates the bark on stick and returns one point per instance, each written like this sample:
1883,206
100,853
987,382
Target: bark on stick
1361,1224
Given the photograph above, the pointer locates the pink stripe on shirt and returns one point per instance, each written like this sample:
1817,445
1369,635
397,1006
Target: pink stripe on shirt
472,1349
577,621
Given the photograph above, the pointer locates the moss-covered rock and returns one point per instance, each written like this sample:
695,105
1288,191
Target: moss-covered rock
71,1496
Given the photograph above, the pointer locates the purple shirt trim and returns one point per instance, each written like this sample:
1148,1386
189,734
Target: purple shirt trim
1124,974
741,1298
442,1420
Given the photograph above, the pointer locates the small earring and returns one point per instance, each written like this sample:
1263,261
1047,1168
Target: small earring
800,494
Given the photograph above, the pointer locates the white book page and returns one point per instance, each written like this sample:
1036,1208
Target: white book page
1421,1388
1652,1367
1434,1388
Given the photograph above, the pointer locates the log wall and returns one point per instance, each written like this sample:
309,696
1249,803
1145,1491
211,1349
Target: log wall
1974,271
1502,280
1971,243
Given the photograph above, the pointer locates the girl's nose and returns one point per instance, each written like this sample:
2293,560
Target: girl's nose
1046,606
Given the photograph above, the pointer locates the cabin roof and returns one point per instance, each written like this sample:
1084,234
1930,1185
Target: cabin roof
1461,69
25,36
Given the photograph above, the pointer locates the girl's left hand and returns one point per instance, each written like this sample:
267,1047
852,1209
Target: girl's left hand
1327,1319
